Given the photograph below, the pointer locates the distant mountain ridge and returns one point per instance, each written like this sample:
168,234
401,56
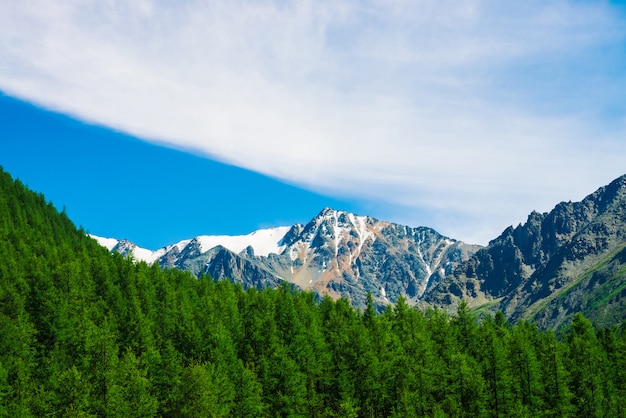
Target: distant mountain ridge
336,253
263,242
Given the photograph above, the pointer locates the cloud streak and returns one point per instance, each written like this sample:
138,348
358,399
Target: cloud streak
469,112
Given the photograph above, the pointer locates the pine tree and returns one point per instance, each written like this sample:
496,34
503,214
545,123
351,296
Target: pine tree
199,392
466,328
524,368
164,369
72,394
498,381
130,391
248,400
17,350
556,396
585,360
440,369
99,363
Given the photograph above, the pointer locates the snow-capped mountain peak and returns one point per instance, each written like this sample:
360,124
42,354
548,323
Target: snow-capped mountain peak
336,253
340,232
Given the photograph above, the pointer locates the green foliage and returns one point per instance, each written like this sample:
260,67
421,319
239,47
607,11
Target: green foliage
129,394
85,333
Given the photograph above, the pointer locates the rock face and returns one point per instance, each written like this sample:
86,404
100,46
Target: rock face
569,260
345,255
337,253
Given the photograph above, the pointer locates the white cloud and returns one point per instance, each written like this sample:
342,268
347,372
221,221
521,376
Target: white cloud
474,112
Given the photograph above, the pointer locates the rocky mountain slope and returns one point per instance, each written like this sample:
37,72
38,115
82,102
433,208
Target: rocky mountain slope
572,259
336,253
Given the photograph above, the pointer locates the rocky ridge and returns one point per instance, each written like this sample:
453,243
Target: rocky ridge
337,253
572,259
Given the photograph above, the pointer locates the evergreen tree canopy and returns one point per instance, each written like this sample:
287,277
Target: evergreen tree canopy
87,333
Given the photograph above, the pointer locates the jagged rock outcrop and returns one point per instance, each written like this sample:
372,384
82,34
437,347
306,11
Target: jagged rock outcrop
556,264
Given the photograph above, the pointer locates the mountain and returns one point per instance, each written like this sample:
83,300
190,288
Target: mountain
572,259
569,260
337,253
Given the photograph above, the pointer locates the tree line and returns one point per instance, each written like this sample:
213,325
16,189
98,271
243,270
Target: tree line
87,333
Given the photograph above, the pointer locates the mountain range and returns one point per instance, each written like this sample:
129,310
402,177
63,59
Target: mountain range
571,259
337,253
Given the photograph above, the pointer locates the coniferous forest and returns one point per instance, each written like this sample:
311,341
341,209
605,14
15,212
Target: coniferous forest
87,333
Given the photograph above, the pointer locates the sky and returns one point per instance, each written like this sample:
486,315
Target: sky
157,121
117,186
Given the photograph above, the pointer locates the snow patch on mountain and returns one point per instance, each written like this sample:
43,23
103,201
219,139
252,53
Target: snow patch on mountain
264,241
148,256
126,247
108,243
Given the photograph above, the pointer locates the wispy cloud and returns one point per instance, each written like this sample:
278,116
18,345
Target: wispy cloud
470,113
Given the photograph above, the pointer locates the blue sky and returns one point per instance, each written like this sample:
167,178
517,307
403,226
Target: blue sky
459,115
115,185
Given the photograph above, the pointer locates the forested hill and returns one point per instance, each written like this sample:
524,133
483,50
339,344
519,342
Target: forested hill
87,333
